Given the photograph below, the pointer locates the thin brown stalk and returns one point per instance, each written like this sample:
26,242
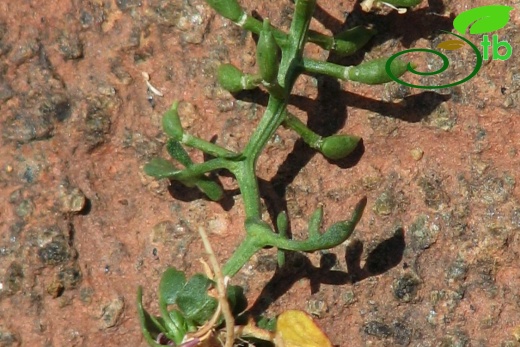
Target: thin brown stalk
221,288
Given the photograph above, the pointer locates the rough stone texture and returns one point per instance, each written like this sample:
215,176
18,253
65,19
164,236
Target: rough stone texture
433,262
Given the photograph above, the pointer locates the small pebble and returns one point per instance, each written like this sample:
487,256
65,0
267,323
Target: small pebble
417,154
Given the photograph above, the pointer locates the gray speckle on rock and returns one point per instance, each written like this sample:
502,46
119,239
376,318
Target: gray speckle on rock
111,313
25,208
70,277
457,339
27,126
377,329
384,204
515,217
85,294
24,51
55,252
435,195
119,71
6,92
494,189
405,287
13,278
9,339
192,23
402,334
125,5
71,46
442,118
166,232
97,123
423,235
266,263
457,271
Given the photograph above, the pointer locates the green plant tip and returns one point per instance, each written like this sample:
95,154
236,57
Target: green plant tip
230,78
229,9
267,54
171,122
374,71
350,41
339,146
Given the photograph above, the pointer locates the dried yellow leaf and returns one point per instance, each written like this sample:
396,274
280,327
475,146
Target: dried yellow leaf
297,329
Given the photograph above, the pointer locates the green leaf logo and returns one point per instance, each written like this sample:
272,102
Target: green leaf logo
485,19
451,45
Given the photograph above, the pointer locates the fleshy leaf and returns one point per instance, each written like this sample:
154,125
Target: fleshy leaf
374,71
485,19
351,40
177,152
315,223
160,168
171,122
230,78
236,298
339,146
150,326
172,282
340,231
451,45
212,189
297,329
194,302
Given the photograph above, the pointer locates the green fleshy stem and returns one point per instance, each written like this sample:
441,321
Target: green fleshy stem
260,235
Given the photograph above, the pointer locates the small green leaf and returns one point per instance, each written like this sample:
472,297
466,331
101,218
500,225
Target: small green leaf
266,323
178,152
374,71
194,302
485,19
229,9
341,231
351,40
160,168
267,54
171,122
230,78
172,282
315,223
212,189
150,327
451,45
339,146
236,298
282,223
